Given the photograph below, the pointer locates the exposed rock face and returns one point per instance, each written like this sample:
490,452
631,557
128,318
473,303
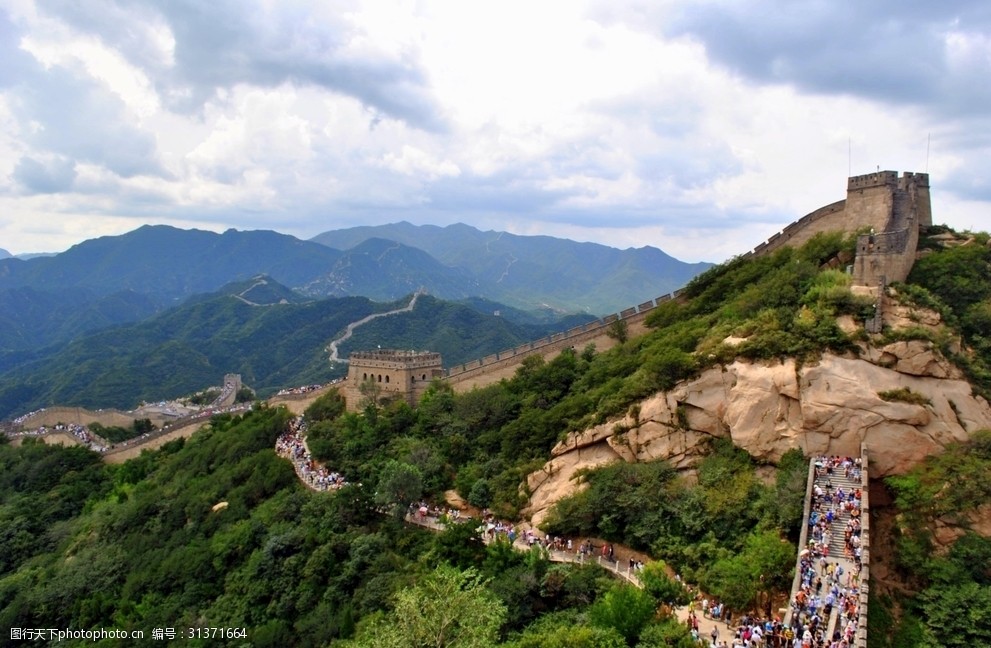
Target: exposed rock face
768,408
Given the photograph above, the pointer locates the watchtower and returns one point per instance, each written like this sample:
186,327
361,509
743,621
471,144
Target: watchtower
896,209
891,209
390,374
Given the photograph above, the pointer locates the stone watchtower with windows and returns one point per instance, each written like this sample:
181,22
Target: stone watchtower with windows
390,374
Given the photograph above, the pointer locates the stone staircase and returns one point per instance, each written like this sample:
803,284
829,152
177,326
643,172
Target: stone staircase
837,544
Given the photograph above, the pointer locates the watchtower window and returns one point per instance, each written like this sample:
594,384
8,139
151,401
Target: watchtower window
387,379
380,377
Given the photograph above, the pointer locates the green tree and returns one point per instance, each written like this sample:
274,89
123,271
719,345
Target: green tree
746,581
326,407
619,330
370,392
400,484
448,607
957,616
668,633
571,636
625,609
460,544
662,587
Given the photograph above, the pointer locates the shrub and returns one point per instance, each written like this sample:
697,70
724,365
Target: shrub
904,395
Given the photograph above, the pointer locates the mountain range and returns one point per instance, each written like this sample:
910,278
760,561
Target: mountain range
160,311
531,271
121,279
259,329
382,262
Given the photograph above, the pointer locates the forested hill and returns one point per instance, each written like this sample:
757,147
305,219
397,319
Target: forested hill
526,271
251,328
141,545
170,264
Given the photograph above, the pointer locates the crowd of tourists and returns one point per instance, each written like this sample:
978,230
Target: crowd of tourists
24,417
827,588
81,433
492,529
292,445
297,391
745,632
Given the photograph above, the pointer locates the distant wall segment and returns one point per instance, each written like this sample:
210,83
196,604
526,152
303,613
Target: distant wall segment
495,367
52,416
892,208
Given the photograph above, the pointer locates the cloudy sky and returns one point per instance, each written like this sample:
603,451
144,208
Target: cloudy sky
700,127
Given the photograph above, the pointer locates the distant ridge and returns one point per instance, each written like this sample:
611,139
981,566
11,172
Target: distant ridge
170,263
537,271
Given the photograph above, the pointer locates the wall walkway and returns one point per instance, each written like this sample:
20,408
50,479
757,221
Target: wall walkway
614,567
504,362
848,616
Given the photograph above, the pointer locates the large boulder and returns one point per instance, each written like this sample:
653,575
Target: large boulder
832,406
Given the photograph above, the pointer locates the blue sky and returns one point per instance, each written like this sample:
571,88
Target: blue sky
697,127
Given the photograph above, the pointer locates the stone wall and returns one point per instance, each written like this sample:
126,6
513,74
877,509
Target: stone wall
52,416
503,364
825,219
860,639
895,208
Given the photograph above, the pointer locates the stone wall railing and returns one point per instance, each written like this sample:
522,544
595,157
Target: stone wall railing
554,342
803,538
860,639
784,236
198,418
614,567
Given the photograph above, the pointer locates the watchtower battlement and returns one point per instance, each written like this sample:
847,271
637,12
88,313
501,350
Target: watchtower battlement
390,374
892,208
393,359
879,179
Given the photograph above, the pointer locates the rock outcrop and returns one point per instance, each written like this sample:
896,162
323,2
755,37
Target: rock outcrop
829,407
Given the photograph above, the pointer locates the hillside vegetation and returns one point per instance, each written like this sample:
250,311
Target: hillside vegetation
144,545
140,546
780,305
275,345
945,599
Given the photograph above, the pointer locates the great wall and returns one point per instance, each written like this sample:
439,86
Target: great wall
887,211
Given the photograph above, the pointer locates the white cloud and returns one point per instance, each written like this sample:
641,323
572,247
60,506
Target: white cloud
415,162
697,127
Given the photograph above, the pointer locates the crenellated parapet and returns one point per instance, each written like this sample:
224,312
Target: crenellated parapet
890,207
390,374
